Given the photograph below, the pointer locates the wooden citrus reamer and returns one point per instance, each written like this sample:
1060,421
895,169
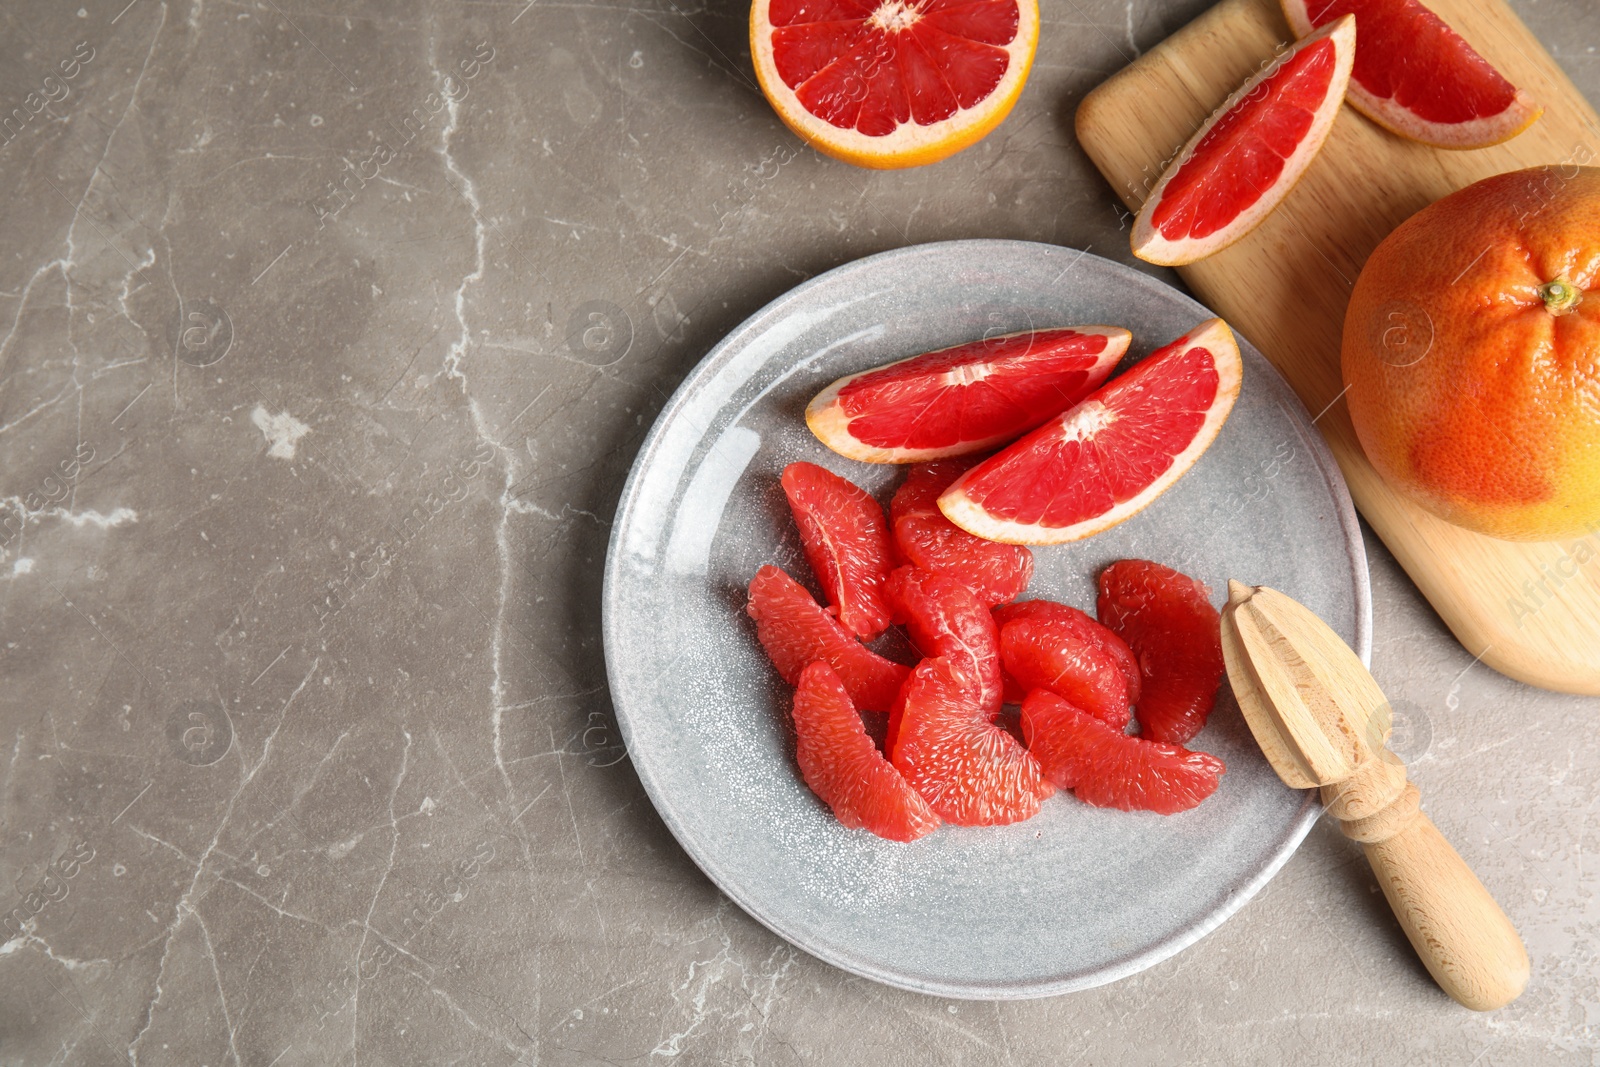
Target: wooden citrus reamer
1322,721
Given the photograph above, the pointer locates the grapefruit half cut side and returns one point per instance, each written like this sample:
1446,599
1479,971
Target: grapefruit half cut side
892,83
969,398
1110,456
1243,162
1418,78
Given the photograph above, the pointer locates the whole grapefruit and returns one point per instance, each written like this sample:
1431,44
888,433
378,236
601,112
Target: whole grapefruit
1472,355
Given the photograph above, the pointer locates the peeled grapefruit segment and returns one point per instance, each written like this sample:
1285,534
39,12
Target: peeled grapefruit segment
995,573
795,631
1056,652
846,542
892,83
843,767
1167,619
946,619
1417,77
1105,767
970,771
1077,626
965,399
1105,459
1243,162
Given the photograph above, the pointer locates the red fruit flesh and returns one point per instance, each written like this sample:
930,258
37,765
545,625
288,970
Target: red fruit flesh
970,771
846,542
843,767
1406,53
854,71
1039,655
996,573
1106,459
1080,627
1243,155
1167,619
966,399
1107,768
946,619
795,630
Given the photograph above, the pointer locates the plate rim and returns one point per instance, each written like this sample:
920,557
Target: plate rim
1123,967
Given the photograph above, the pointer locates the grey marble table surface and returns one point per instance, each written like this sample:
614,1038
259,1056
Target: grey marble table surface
328,333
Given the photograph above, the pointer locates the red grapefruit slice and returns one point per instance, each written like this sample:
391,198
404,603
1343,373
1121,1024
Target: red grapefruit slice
1105,767
1102,461
1417,77
1243,162
996,574
892,83
795,631
1167,619
843,767
945,619
846,542
970,771
965,399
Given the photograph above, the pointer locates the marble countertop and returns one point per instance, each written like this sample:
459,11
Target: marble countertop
327,336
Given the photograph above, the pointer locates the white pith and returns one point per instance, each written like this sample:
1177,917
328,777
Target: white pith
1151,246
970,374
1086,421
1475,133
1212,335
832,427
895,16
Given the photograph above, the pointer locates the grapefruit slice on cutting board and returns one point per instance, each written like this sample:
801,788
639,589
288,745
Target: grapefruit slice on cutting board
1243,162
1110,456
1416,76
892,83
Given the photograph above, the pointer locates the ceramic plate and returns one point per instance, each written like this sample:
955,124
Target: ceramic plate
1077,896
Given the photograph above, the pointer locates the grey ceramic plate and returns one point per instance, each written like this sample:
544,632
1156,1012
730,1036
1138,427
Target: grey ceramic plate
1077,896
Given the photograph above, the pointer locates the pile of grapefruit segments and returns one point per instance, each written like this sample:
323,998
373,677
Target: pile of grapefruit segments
1020,440
1395,61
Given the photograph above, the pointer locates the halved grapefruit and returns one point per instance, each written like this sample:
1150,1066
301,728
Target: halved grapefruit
965,399
892,83
1243,162
1417,77
1102,461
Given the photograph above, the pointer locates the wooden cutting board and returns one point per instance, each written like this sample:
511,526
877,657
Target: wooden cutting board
1531,611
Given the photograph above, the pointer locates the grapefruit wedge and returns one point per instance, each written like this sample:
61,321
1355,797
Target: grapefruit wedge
892,83
969,398
1417,77
1110,456
1243,162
